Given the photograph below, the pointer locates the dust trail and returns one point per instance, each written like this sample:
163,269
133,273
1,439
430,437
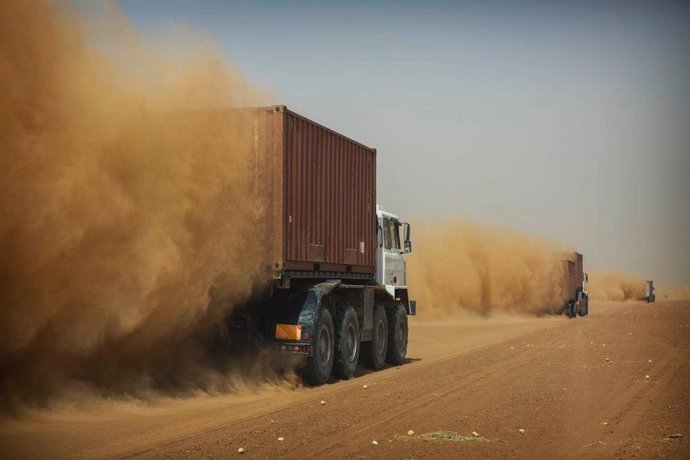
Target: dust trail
621,286
121,208
460,266
673,291
615,286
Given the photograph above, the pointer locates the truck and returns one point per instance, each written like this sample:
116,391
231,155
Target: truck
574,285
650,292
339,293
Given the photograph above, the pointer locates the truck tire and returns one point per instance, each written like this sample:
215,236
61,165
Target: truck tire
580,309
397,338
570,310
347,343
318,368
374,352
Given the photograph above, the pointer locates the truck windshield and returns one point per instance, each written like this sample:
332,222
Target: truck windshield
391,233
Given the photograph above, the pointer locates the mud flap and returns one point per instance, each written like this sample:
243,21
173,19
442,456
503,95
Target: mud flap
412,308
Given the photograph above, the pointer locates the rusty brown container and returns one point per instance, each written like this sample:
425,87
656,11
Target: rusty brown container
573,275
322,190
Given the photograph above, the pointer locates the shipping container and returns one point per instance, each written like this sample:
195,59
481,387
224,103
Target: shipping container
322,190
572,275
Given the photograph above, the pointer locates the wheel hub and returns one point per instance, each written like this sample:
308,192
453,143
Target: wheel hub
323,347
380,339
351,343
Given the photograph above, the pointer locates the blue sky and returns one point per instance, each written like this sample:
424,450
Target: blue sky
568,121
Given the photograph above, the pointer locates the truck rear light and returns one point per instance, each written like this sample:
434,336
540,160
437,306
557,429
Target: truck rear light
295,348
305,336
283,348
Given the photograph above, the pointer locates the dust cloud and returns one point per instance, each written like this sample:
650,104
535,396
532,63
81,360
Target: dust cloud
458,266
615,286
123,207
673,292
619,286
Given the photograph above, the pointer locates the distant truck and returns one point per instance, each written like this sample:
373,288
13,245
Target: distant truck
650,292
339,292
574,285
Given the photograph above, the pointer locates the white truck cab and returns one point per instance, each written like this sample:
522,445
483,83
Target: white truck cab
393,242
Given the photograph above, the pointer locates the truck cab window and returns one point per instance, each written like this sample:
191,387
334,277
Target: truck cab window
391,233
387,233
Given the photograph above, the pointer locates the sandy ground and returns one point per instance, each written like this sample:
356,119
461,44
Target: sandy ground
614,384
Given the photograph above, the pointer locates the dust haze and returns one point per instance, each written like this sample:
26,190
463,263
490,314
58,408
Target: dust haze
616,286
460,266
619,286
128,226
463,267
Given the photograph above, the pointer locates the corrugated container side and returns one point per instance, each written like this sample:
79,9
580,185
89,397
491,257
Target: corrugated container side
573,276
579,270
322,189
330,188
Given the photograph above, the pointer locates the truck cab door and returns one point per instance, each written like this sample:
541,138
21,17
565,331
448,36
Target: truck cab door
394,264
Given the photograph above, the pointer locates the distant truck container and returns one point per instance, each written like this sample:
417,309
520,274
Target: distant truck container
339,287
650,292
574,285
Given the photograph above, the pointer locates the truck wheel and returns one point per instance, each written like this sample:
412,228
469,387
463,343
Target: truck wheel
570,310
318,368
347,342
580,309
397,339
374,352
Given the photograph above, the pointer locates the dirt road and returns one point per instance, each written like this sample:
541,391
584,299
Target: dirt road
614,384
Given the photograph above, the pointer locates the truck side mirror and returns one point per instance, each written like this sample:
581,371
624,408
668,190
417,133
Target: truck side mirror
406,232
408,246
